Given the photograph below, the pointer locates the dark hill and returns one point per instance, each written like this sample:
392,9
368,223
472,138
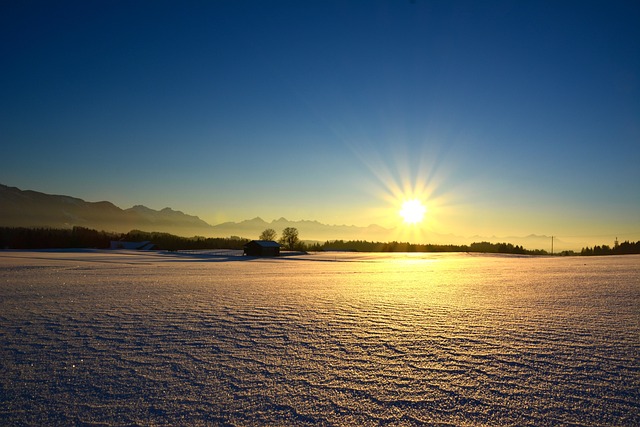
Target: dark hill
28,208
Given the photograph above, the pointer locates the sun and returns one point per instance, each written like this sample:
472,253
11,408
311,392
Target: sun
412,211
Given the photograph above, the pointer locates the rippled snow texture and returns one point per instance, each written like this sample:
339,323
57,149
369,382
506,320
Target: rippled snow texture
108,339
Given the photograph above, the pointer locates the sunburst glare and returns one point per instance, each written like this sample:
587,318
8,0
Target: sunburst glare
411,186
413,211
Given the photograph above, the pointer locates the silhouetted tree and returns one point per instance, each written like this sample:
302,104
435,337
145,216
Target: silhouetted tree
290,238
623,248
268,234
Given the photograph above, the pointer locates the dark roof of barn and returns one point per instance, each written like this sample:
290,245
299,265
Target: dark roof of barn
265,243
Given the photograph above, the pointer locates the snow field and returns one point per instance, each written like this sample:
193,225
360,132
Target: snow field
117,338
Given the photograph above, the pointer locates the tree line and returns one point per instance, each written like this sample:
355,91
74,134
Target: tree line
624,248
366,246
81,237
290,240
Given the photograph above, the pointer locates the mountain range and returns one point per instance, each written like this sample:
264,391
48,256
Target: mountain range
26,208
34,209
309,230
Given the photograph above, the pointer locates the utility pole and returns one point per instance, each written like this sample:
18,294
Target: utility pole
552,244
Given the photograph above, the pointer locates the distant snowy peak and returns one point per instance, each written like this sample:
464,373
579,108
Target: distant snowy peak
140,209
257,220
165,214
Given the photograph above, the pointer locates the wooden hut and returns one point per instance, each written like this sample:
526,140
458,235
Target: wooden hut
262,248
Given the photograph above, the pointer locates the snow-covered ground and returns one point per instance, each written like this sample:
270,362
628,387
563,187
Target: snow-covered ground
102,338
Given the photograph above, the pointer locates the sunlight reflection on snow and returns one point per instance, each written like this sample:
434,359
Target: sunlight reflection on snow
327,338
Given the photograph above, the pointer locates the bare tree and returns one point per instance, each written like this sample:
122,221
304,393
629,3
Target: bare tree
290,238
268,234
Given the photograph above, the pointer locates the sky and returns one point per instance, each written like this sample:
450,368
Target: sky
503,118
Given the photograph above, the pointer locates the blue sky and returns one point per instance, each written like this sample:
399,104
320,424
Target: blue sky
503,117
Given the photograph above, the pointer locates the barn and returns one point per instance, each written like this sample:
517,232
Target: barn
262,248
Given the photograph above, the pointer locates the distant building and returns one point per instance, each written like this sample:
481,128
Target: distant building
262,248
136,246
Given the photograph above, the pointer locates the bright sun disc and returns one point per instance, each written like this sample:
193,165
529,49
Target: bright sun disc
412,211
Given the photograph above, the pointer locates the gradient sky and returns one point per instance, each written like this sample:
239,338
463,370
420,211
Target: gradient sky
504,117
